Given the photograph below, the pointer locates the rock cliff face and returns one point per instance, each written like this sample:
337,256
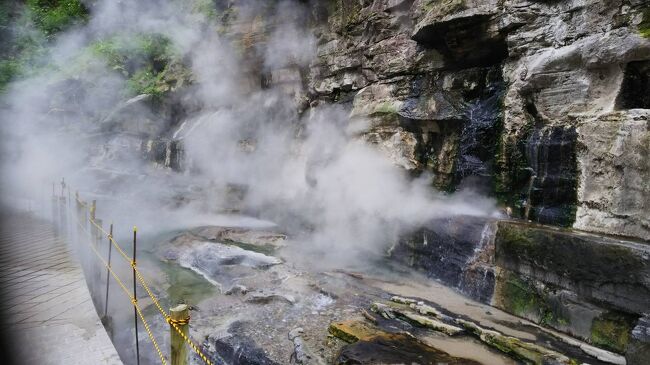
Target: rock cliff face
542,104
517,95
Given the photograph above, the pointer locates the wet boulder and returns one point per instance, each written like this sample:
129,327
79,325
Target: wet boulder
236,348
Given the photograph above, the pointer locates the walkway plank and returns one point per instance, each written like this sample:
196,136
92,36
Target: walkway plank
46,302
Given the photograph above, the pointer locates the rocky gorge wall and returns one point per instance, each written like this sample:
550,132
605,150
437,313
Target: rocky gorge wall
513,94
541,104
592,287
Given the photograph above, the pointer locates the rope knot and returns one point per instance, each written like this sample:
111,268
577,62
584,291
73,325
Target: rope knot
180,322
133,264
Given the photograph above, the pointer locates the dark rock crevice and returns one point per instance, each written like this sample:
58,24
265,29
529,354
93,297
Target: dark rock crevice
467,41
635,90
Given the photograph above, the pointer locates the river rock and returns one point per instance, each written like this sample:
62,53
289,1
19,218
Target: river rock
247,238
413,317
525,351
236,348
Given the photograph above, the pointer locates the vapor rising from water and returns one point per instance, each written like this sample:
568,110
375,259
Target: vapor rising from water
308,172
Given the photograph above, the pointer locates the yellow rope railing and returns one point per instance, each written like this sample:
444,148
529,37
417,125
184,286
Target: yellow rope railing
110,238
134,301
147,289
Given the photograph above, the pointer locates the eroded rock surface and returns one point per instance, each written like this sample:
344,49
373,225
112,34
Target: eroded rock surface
447,85
614,195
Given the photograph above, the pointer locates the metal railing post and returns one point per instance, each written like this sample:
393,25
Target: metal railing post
55,204
180,317
93,229
108,270
135,297
63,223
70,226
78,215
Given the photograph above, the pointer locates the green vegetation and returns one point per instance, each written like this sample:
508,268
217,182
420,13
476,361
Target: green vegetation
205,7
8,70
26,30
53,16
612,331
148,61
25,56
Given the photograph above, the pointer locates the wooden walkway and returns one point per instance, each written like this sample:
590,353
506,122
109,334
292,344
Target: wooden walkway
46,307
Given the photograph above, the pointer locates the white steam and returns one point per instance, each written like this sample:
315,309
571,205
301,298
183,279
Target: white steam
308,172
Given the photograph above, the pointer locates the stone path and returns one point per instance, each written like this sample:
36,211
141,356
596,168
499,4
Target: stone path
46,307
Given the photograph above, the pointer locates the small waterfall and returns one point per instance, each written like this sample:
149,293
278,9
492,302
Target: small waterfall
477,278
550,194
165,153
457,251
478,136
528,204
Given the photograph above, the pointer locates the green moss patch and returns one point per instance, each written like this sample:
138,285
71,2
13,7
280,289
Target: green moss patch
385,108
644,26
612,331
520,297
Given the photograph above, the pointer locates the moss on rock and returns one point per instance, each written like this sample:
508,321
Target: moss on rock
519,295
529,353
612,331
644,26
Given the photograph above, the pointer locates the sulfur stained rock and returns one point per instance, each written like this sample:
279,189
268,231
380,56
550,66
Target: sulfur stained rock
353,330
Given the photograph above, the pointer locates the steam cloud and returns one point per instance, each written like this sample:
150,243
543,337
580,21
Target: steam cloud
308,171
